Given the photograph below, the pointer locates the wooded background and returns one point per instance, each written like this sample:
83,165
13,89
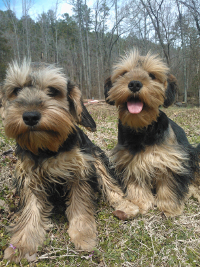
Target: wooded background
87,43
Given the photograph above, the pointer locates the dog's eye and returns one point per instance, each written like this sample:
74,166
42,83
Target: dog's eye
152,76
123,73
17,90
53,91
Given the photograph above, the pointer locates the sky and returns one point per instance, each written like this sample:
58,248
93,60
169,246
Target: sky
37,7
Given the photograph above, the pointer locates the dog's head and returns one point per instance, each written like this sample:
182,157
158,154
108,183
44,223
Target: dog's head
41,107
138,86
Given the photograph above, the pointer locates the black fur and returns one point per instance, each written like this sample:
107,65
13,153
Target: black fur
107,87
86,120
136,141
171,91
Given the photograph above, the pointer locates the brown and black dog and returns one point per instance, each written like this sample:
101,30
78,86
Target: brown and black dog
41,109
153,159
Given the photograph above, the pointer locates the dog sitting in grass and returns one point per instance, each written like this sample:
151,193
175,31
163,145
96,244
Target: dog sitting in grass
41,110
153,159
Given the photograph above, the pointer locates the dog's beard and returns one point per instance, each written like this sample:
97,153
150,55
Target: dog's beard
137,120
35,140
138,114
52,130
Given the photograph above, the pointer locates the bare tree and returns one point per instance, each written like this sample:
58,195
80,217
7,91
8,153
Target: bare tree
26,5
160,19
180,20
7,3
194,8
82,15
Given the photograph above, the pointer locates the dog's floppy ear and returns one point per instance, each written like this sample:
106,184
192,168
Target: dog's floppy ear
171,91
2,103
107,87
77,108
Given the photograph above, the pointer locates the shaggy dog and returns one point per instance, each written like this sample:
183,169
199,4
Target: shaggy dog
153,159
41,109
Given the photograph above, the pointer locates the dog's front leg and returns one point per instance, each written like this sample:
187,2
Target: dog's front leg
140,195
169,197
80,213
124,208
29,231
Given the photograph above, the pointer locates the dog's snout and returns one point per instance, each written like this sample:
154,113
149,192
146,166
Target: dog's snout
31,118
135,86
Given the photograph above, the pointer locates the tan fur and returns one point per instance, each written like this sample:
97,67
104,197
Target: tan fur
166,199
53,118
54,167
140,196
113,193
136,67
35,213
151,168
194,189
54,111
53,154
133,61
80,212
29,231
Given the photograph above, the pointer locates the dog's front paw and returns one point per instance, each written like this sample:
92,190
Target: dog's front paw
144,207
15,254
126,210
170,208
82,232
83,240
12,254
172,212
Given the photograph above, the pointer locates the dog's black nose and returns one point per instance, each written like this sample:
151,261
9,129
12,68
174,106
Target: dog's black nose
31,118
135,86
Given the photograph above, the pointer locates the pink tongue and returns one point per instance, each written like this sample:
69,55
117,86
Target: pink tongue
134,107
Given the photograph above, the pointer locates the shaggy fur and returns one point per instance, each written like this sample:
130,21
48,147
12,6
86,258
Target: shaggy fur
153,159
41,109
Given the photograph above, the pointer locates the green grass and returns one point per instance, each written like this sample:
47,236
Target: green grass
147,240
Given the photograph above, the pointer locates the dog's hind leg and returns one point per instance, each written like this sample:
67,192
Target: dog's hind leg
29,231
194,191
194,188
124,209
80,213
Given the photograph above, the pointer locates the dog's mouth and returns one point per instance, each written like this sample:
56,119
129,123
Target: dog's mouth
135,105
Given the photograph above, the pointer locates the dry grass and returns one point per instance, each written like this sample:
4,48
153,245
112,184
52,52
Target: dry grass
148,240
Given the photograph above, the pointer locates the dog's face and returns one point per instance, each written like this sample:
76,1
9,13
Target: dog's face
41,107
138,86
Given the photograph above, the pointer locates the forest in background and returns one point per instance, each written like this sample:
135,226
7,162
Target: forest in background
87,43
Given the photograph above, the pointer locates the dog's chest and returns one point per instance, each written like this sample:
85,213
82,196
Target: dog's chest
66,166
154,163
